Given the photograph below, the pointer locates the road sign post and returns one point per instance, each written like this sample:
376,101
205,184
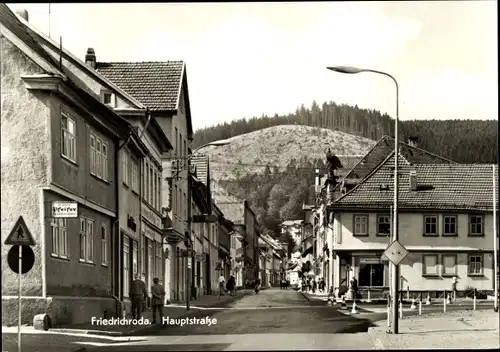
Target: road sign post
20,238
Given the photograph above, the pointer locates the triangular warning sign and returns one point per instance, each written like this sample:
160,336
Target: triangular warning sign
20,235
219,267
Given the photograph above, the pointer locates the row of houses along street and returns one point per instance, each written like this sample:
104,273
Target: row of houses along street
113,140
445,223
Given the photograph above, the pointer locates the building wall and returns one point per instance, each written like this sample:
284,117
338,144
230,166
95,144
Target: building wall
74,176
73,276
411,229
24,165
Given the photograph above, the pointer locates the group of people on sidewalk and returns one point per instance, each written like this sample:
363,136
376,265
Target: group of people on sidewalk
312,285
229,286
138,295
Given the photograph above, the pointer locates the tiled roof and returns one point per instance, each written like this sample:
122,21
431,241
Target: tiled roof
383,148
155,84
13,24
440,186
200,164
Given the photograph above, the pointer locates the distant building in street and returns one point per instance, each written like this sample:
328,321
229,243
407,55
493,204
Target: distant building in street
295,229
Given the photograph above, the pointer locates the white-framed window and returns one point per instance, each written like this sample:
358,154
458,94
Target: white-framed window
150,260
383,225
104,245
98,157
126,266
449,264
449,225
86,240
360,225
125,169
475,264
68,137
135,175
109,99
476,225
135,257
176,142
430,264
155,189
59,237
430,225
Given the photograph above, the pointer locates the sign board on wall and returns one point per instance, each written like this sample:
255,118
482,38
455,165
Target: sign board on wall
369,260
62,209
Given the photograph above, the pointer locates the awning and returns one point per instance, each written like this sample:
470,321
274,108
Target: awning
307,251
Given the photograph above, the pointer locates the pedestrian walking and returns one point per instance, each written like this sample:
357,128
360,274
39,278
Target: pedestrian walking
314,286
158,299
137,294
222,282
257,286
454,287
231,284
354,287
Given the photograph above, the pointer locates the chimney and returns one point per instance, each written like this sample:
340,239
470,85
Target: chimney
413,180
23,14
413,142
90,58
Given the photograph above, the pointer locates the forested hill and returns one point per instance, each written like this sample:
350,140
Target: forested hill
464,141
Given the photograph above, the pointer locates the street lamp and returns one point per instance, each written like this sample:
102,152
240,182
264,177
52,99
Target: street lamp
190,252
396,274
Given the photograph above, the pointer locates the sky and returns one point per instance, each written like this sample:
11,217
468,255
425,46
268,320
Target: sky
249,59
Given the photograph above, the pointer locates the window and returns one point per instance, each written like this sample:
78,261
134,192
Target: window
449,265
185,206
143,254
126,266
98,157
68,131
429,266
360,225
135,175
475,265
155,187
176,142
185,148
59,238
430,225
146,182
476,225
449,225
159,191
181,149
151,191
109,99
104,245
86,240
383,225
135,257
125,168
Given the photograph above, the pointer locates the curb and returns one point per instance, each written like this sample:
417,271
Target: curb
305,296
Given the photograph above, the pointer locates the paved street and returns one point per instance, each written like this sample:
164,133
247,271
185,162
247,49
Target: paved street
273,319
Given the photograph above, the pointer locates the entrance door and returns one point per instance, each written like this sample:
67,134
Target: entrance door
371,275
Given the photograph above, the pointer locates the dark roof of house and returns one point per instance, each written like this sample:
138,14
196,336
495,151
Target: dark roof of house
439,186
13,24
155,84
200,164
382,149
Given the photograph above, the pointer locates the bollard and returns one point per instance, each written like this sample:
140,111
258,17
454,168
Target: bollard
445,301
401,305
474,299
428,302
369,299
354,309
420,305
449,298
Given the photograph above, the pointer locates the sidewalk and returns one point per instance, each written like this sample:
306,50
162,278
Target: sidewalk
459,329
177,310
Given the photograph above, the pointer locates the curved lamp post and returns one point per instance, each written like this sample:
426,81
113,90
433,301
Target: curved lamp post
396,274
